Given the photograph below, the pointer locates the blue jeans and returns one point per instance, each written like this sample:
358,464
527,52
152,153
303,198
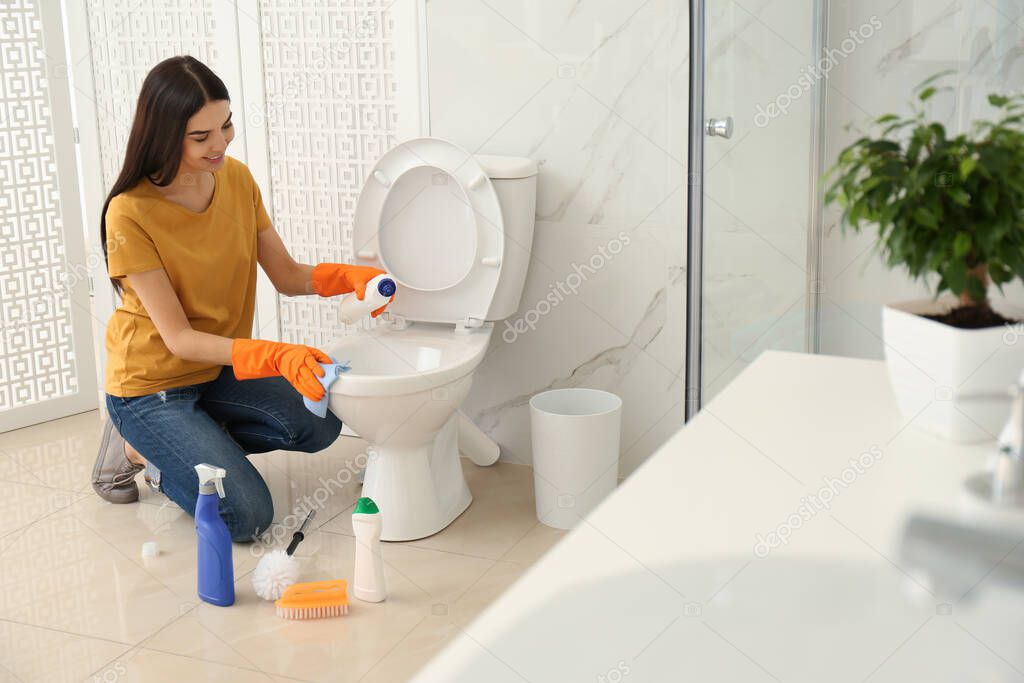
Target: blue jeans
219,422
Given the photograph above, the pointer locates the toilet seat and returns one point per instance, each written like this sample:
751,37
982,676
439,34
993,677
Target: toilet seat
429,215
387,362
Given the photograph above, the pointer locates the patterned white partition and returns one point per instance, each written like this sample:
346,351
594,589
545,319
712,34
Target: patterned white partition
108,62
127,39
330,112
46,354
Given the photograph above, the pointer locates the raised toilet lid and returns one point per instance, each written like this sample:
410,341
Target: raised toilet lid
429,215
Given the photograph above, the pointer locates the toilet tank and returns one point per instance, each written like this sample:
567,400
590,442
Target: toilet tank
515,182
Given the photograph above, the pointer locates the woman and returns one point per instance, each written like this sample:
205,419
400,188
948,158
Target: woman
183,229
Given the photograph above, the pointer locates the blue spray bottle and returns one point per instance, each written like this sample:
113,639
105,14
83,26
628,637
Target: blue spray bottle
216,566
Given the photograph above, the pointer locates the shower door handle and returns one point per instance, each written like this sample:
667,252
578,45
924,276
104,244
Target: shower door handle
721,128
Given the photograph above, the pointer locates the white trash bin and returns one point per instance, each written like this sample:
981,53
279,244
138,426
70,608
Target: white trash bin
575,436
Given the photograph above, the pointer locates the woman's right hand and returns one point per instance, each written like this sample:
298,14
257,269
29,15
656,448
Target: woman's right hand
297,363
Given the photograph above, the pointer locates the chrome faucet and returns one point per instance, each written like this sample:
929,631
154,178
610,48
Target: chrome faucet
949,558
952,555
1003,483
1008,468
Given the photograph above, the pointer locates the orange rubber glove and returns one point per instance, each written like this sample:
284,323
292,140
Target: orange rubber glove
297,363
330,279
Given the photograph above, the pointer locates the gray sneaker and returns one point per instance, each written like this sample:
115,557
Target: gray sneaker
113,475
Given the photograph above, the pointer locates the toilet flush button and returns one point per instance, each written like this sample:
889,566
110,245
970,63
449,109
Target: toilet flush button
382,178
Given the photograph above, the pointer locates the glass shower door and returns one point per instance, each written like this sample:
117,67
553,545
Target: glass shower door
758,129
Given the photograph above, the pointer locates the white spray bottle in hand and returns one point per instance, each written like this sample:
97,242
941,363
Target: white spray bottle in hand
379,291
368,577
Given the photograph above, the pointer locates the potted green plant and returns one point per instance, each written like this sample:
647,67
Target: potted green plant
951,211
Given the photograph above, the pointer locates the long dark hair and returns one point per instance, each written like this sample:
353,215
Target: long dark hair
173,91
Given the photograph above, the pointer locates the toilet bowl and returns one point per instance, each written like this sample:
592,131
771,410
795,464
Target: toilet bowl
455,231
402,396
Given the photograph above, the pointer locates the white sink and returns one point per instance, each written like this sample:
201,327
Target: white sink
734,619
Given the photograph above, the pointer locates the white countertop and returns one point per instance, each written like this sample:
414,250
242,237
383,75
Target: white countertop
665,581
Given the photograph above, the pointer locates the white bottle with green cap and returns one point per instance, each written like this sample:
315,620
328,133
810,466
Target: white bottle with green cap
368,577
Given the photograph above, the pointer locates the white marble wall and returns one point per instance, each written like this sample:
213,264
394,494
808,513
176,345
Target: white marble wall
596,91
983,41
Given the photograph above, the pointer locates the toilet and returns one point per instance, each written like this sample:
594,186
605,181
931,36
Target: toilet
455,231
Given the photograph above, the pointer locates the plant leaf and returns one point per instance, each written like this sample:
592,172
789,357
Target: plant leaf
966,166
960,197
975,288
955,276
925,217
961,244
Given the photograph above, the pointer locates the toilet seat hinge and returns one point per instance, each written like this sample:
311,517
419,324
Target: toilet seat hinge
395,322
467,324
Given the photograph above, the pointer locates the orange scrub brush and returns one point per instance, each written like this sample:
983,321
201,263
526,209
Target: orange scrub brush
314,599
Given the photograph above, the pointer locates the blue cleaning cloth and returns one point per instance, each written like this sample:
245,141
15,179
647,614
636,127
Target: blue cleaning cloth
331,373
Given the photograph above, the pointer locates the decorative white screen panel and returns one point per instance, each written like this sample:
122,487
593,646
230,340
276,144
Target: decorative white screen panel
128,38
330,113
117,44
37,350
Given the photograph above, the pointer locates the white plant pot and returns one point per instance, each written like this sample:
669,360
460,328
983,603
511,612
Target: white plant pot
934,368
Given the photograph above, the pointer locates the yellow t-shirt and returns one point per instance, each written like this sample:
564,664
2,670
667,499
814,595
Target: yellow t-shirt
210,259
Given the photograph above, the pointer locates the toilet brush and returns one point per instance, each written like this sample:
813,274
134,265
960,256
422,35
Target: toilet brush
278,569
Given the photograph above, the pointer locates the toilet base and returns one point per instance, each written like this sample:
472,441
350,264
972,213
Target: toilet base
420,490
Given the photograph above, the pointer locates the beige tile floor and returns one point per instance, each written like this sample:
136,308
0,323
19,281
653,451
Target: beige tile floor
79,603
